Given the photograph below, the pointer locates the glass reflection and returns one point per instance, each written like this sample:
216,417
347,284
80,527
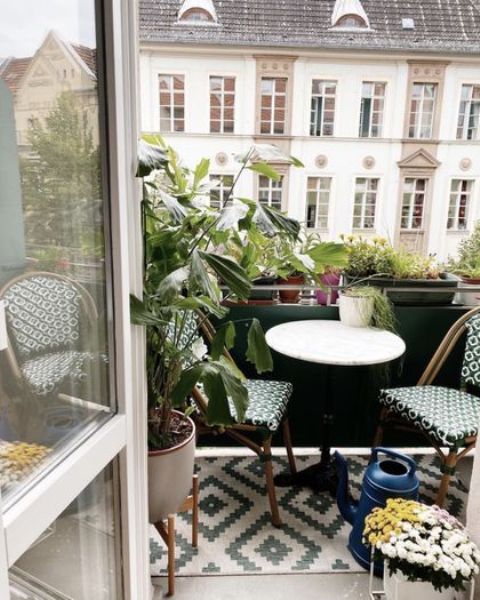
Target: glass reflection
54,366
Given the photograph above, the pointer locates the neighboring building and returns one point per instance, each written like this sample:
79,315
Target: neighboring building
37,81
380,99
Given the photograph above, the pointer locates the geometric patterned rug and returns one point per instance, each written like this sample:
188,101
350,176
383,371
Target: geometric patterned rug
235,533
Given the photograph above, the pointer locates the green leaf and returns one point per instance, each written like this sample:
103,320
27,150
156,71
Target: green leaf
173,206
200,303
171,285
272,221
237,392
150,158
218,410
140,315
224,338
201,279
296,162
201,171
230,216
230,273
258,351
265,169
188,379
329,254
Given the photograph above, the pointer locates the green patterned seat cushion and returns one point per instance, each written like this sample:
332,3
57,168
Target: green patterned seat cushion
267,402
50,372
471,359
444,414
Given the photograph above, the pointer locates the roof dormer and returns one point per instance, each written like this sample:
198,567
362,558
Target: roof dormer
349,14
197,11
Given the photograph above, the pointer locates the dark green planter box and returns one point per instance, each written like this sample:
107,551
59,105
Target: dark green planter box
446,282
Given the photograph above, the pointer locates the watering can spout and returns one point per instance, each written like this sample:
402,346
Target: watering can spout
347,506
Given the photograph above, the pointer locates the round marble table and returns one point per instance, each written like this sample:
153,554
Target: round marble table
333,344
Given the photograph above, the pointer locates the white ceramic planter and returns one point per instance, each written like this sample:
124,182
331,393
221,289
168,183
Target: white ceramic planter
170,475
397,587
355,311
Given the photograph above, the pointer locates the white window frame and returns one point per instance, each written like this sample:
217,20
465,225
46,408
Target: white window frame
373,96
222,189
320,192
314,124
222,93
364,204
123,437
465,116
275,94
172,105
411,206
420,113
454,197
271,187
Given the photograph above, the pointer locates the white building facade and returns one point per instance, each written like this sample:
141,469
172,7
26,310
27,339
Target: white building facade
390,138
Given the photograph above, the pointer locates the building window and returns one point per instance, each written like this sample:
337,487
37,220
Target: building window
459,205
364,207
351,22
219,194
422,109
172,103
270,191
318,201
273,109
413,203
322,114
222,104
371,109
469,113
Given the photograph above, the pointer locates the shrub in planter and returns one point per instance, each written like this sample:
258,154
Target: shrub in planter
384,267
467,266
421,545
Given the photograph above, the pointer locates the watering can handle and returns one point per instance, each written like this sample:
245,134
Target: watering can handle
380,450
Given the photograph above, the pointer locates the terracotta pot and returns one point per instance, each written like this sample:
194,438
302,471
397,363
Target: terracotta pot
291,296
170,473
355,311
397,587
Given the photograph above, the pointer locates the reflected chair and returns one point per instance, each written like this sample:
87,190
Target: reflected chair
48,316
265,414
447,417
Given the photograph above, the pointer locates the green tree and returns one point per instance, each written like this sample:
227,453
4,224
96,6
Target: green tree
61,179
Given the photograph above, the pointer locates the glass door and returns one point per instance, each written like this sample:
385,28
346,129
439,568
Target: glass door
66,442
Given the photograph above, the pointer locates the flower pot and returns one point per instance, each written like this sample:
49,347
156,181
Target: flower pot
328,279
397,587
290,296
355,311
468,299
170,474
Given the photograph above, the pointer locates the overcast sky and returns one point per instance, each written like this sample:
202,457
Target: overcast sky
25,23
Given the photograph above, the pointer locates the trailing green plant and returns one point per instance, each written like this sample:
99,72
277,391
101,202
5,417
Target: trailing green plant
368,257
383,316
195,257
467,265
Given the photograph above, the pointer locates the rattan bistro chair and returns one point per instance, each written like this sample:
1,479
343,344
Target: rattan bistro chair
448,417
265,414
45,315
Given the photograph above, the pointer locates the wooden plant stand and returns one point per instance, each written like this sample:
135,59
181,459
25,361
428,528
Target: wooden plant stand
167,531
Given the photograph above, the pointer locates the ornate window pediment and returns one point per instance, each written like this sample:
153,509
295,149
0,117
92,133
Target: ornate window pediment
421,159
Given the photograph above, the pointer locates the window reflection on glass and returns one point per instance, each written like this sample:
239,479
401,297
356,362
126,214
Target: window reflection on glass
413,204
318,202
270,191
364,207
459,205
84,537
54,368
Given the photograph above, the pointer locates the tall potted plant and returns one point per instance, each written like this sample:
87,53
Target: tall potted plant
467,265
190,249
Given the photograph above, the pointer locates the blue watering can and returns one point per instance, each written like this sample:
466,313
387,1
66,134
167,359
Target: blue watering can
391,476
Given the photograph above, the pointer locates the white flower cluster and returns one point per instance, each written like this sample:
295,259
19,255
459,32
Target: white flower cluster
436,541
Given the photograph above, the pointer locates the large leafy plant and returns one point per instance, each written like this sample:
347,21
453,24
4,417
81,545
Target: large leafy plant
467,265
195,257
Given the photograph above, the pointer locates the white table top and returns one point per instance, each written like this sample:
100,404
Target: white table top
332,343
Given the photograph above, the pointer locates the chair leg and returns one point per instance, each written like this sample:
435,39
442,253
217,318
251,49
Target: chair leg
378,438
196,495
448,469
266,457
287,440
171,554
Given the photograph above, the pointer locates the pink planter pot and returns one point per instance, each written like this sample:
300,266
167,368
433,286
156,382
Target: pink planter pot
328,279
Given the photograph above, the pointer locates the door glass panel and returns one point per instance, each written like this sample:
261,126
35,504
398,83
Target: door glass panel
54,371
76,557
